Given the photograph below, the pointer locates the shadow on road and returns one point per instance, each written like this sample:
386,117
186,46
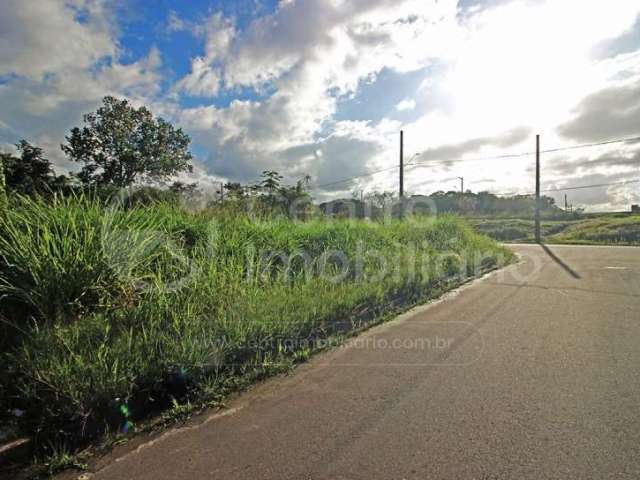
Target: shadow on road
559,261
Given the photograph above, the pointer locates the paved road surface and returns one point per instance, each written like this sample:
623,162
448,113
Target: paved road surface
530,373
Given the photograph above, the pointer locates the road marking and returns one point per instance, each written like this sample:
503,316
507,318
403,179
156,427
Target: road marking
616,268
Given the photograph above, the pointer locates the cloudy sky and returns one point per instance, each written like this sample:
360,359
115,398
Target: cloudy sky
323,87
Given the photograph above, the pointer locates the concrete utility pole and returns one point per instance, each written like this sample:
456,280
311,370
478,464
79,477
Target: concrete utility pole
461,185
537,233
401,164
3,192
566,205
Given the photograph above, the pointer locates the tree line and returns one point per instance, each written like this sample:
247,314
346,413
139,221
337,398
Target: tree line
378,204
120,146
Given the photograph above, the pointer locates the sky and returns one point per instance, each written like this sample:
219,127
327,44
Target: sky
323,88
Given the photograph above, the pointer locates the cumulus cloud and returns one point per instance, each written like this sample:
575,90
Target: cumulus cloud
59,58
312,54
177,24
41,37
309,54
448,154
322,87
613,194
620,160
613,112
203,79
627,42
406,104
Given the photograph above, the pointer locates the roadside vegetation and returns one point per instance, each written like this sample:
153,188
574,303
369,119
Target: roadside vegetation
111,314
518,229
602,229
119,302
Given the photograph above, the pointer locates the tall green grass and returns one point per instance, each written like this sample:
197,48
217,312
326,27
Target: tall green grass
605,230
110,314
518,229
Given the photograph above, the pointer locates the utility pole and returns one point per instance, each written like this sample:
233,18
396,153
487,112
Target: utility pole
537,233
566,205
401,174
401,165
3,192
461,185
221,192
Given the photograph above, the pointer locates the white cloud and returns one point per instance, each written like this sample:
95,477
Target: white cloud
177,24
60,58
41,37
308,53
490,75
406,104
203,79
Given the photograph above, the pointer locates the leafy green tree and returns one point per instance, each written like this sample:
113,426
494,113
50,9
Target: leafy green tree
295,200
234,190
120,144
31,173
270,188
270,182
186,189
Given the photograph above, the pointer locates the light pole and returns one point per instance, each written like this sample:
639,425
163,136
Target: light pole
537,216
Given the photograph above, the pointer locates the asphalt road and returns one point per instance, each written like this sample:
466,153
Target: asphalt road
529,373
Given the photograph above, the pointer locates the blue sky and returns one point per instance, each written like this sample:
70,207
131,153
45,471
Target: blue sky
145,24
323,87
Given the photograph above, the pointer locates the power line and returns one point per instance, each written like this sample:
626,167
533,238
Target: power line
527,154
496,157
581,187
592,186
356,177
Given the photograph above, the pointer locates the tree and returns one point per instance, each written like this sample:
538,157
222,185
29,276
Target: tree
120,145
31,173
295,200
235,190
380,200
270,186
184,189
270,182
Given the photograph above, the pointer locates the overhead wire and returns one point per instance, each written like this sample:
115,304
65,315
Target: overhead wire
495,157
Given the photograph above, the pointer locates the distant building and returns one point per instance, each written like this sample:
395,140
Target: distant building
635,208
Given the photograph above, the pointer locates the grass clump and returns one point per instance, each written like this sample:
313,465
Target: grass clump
111,314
